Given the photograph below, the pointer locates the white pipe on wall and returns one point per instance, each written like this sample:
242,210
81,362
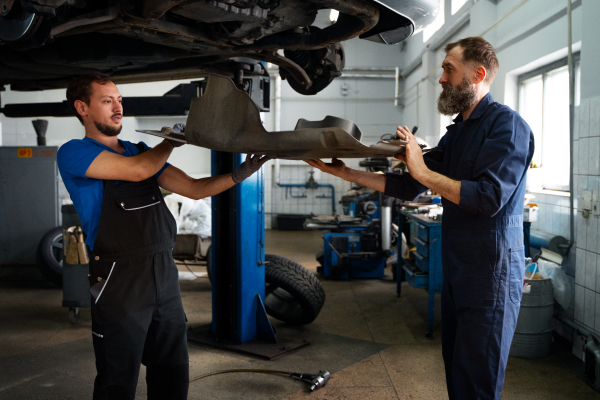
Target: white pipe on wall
277,116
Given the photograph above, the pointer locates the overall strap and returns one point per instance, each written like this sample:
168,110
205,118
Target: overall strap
140,147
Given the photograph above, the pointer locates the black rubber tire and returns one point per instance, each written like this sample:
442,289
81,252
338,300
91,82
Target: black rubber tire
50,256
209,271
292,293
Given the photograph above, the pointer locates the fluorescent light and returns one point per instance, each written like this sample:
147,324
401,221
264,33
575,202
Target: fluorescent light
333,15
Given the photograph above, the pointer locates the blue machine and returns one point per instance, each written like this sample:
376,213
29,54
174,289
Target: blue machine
351,261
356,253
364,205
359,251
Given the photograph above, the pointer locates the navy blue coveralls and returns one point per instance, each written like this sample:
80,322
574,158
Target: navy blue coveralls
482,243
137,313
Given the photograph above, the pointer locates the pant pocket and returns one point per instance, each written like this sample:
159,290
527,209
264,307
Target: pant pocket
488,241
517,271
102,277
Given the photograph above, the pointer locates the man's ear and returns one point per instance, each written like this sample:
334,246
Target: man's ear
479,74
80,107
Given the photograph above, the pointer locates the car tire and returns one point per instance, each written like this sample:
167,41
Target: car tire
292,293
50,256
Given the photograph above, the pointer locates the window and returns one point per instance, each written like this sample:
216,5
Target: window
457,5
435,25
544,104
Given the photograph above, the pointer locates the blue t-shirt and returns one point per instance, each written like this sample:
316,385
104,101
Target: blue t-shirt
87,194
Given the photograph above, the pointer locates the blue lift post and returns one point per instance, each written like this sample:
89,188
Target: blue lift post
240,322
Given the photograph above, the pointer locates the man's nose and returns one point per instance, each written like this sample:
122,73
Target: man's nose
443,79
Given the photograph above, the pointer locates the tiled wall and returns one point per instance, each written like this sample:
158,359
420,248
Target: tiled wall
316,201
553,215
587,176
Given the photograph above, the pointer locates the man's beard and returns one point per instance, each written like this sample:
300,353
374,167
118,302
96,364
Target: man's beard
108,130
455,100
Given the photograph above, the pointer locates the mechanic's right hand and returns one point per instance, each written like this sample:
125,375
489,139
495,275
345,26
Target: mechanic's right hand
248,167
335,167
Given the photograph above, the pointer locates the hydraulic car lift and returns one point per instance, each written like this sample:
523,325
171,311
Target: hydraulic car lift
240,322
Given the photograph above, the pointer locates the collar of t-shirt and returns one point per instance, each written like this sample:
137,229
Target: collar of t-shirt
127,151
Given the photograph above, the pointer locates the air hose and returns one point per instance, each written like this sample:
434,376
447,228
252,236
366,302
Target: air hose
316,381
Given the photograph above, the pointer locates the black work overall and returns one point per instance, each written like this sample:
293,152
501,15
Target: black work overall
137,314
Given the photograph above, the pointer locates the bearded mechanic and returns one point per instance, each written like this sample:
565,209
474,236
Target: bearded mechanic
137,313
479,169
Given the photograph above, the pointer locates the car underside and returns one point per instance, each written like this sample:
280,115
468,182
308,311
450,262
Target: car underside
44,44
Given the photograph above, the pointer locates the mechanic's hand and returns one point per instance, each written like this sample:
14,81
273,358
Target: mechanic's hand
248,167
177,128
335,167
414,154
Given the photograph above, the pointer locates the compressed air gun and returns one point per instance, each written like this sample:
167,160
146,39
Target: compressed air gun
316,381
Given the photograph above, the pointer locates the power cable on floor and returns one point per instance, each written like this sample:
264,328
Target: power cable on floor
316,381
189,269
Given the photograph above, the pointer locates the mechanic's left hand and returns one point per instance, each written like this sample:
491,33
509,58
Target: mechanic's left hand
414,155
335,167
248,167
177,128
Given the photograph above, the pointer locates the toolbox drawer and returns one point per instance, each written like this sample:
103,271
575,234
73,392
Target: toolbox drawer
423,232
422,247
421,261
413,231
415,278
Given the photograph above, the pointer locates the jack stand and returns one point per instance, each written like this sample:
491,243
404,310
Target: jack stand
240,322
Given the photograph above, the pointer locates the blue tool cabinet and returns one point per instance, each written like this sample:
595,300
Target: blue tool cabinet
425,271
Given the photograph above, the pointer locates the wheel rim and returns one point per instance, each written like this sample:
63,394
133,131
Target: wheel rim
56,249
286,303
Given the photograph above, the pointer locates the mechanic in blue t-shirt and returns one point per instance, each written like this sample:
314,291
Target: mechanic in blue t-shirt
137,313
74,159
479,168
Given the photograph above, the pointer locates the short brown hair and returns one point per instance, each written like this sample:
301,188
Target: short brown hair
478,51
81,89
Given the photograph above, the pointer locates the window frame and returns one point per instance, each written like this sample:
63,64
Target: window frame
543,71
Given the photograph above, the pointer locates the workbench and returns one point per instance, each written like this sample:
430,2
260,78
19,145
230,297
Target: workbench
425,270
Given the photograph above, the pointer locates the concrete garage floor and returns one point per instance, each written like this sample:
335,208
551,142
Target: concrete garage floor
371,341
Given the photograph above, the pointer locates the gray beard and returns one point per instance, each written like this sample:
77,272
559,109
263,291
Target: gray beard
108,130
456,100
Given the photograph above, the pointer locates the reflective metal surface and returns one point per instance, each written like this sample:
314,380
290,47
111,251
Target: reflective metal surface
420,12
16,28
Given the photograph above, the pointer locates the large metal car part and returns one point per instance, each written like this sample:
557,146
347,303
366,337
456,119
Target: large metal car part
44,44
226,119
